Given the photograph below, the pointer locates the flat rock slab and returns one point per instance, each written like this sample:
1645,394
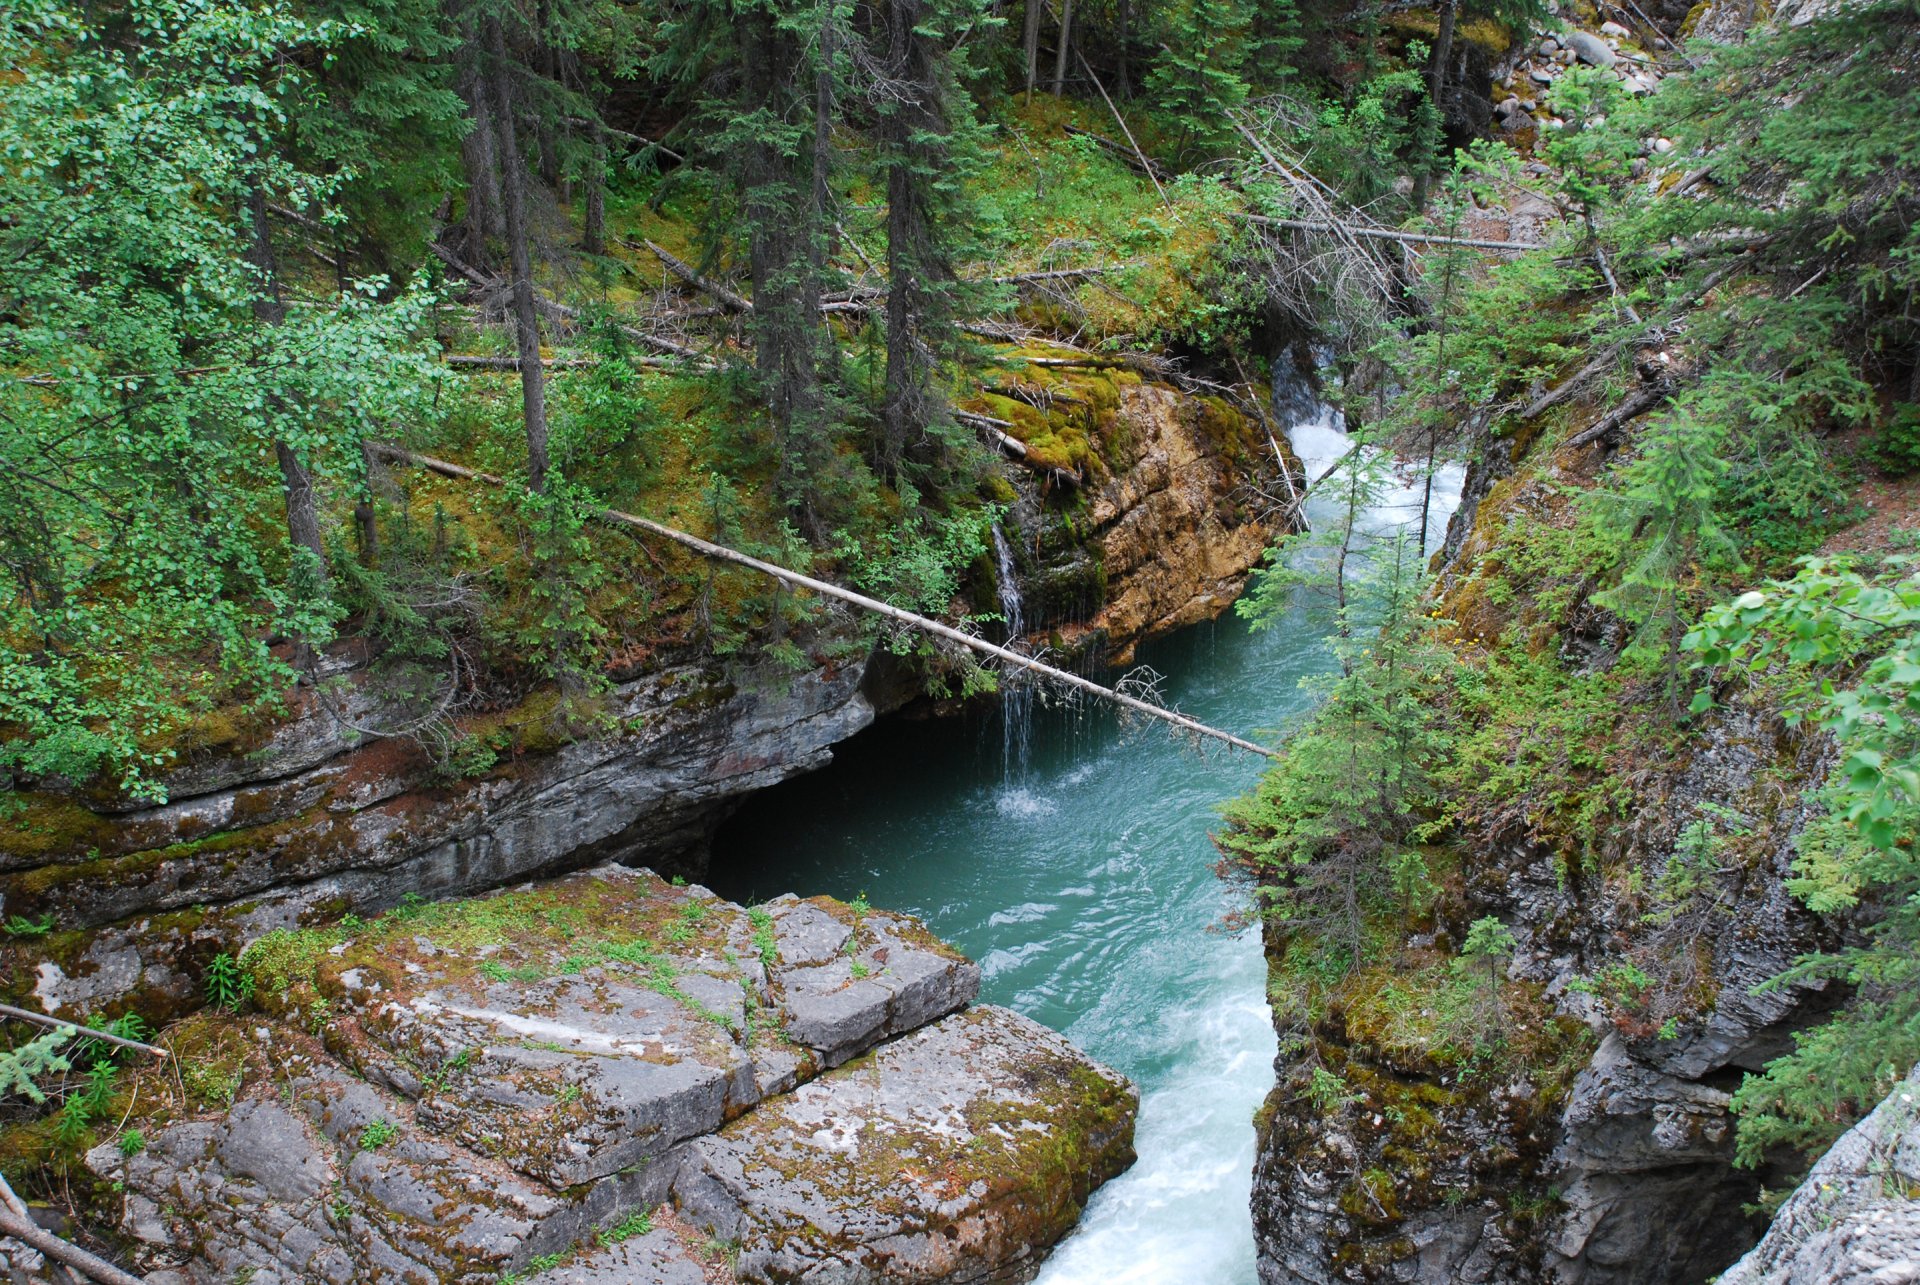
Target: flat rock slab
580,1027
959,1152
847,980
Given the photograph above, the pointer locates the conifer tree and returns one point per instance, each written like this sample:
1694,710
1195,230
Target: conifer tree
928,146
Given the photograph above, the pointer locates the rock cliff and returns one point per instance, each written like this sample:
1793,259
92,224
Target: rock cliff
1856,1218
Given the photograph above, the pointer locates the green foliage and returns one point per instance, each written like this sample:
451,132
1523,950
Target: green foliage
378,1134
1664,510
228,985
639,1223
1896,448
1199,82
1324,829
138,456
42,1055
1849,645
131,1142
21,926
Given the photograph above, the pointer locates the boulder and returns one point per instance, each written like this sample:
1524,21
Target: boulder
580,1026
960,1151
1590,49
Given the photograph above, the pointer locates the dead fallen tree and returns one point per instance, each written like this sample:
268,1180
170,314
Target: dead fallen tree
874,606
1389,234
995,431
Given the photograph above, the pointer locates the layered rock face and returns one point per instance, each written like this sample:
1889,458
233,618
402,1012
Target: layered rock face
314,821
1856,1218
593,1077
1160,540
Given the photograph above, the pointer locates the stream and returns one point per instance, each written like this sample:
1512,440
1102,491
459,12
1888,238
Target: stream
1069,855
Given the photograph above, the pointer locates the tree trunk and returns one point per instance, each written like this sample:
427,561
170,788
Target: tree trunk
1125,22
478,159
903,409
1436,91
822,248
526,317
303,518
1031,43
593,231
1066,43
542,117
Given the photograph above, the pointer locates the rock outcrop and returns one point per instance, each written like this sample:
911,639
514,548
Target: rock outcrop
1856,1218
1161,538
544,1079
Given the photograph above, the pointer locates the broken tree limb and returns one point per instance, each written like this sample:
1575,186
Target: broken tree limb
1637,403
729,299
1146,162
61,1023
885,609
1390,234
1134,160
461,361
560,311
28,1232
995,431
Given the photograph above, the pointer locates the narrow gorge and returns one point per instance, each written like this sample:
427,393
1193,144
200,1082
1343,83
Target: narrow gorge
827,642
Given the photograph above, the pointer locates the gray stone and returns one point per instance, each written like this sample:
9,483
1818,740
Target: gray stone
657,1258
1856,1218
957,1152
877,976
1590,49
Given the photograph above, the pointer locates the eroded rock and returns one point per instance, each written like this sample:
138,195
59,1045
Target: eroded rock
462,1091
965,1148
1856,1218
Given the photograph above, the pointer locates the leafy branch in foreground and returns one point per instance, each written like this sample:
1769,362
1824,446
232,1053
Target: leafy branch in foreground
1850,643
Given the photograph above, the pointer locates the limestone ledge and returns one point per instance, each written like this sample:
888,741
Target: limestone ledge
552,1079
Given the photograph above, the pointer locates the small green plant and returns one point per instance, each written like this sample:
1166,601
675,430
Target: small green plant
378,1134
19,926
437,1080
568,1093
634,1224
228,985
132,1143
860,970
764,941
1328,1092
860,905
1896,448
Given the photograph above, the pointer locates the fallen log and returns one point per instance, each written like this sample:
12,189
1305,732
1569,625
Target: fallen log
77,1030
885,609
17,1223
995,431
461,361
729,299
1387,234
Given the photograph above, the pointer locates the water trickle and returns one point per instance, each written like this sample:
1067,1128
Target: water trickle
1016,687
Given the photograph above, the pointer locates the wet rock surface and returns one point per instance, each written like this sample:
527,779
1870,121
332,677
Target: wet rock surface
461,1091
1856,1218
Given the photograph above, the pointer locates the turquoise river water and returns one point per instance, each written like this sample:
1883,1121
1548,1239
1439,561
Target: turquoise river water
1085,887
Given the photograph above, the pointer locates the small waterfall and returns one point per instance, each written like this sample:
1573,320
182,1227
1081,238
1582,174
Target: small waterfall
1016,689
